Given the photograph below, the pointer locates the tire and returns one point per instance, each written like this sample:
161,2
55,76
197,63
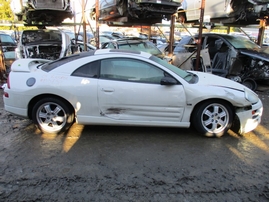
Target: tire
250,83
212,118
51,115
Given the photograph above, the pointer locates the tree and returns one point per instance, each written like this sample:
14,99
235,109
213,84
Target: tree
6,14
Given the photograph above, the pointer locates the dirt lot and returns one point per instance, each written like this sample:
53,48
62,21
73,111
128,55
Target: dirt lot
97,163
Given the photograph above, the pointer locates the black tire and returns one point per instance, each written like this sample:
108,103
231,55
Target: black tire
250,83
212,118
52,115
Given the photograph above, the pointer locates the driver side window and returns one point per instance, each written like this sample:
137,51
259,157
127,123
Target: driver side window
132,70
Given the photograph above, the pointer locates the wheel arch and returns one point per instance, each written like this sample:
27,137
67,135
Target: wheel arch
213,100
39,97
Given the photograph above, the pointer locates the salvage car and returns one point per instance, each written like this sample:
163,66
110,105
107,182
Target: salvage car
8,46
43,43
128,88
242,12
79,46
41,12
233,57
129,11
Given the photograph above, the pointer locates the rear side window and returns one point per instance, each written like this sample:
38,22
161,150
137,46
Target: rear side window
62,61
89,70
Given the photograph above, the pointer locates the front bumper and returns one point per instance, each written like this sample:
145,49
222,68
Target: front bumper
249,119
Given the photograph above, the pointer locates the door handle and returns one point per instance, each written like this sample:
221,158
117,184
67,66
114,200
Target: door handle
108,90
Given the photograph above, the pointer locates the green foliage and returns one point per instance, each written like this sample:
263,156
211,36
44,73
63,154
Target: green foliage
7,18
6,13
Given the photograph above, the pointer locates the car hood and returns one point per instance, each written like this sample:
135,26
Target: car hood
44,42
44,37
262,53
208,79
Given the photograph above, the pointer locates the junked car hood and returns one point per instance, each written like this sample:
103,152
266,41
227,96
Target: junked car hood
208,79
260,2
262,53
46,44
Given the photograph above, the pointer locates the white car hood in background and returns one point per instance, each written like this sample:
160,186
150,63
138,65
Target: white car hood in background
208,79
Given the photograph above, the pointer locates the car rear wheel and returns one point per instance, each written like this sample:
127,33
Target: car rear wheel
212,119
52,115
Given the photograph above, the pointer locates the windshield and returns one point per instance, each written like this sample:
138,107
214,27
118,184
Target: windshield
145,46
180,47
187,76
6,39
104,39
240,42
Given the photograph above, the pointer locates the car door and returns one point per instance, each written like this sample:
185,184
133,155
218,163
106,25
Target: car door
130,89
219,46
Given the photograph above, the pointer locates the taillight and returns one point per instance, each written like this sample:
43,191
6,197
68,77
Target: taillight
8,83
6,94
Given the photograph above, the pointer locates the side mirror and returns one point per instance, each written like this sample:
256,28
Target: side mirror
168,81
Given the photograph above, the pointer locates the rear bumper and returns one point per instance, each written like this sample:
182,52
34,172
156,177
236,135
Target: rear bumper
18,101
16,111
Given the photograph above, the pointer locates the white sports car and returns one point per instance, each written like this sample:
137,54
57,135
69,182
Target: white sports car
117,87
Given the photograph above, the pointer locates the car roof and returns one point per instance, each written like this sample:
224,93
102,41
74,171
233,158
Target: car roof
117,52
130,39
217,34
2,33
122,51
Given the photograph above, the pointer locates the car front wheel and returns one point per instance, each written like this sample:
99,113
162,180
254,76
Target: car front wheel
213,119
52,115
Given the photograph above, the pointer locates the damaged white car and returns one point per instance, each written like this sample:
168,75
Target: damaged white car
43,43
128,88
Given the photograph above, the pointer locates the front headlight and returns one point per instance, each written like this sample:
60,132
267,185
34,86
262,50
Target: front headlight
251,96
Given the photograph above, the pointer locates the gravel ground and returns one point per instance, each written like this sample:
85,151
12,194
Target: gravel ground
100,163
